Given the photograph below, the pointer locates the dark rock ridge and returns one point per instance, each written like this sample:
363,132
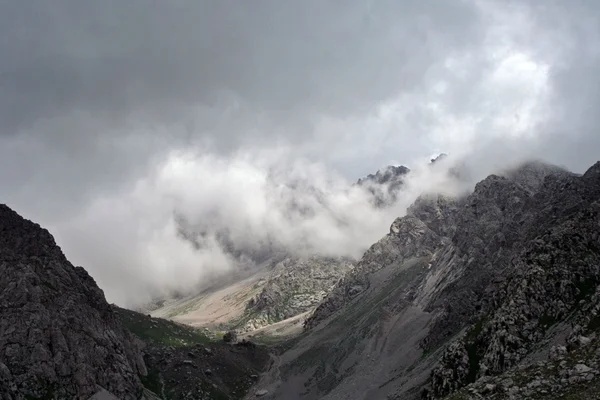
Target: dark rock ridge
59,338
551,276
506,271
390,174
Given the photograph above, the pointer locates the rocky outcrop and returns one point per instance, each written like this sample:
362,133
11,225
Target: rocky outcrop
554,272
567,370
59,338
409,237
437,211
294,286
205,372
385,185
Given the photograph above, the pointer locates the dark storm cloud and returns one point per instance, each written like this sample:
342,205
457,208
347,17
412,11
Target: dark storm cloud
91,91
113,58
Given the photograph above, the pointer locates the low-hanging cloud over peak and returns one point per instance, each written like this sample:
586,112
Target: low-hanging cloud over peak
255,118
197,216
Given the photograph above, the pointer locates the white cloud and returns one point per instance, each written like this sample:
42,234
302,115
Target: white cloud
257,197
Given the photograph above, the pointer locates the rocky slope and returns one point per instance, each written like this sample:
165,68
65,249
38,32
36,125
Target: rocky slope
60,339
58,336
282,288
294,286
187,363
460,290
409,238
271,284
551,279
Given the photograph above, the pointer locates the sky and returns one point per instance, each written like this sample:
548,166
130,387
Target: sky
115,116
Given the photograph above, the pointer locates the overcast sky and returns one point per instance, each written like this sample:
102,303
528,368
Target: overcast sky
114,113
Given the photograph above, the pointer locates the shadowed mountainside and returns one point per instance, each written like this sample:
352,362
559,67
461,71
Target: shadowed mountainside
60,339
461,292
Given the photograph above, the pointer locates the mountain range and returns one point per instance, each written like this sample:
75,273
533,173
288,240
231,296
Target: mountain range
494,293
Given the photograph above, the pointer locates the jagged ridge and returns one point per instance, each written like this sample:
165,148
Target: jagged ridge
505,263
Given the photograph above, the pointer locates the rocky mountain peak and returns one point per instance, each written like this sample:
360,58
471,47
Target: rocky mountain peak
59,338
385,184
531,174
387,175
593,172
22,238
494,294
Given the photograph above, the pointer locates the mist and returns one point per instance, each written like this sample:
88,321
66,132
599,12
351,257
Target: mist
260,200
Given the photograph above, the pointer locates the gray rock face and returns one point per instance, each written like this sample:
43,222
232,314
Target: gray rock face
59,338
571,373
409,237
531,175
293,287
506,265
438,212
551,263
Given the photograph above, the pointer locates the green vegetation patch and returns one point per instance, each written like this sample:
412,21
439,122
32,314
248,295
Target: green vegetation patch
161,331
152,381
471,345
547,320
594,323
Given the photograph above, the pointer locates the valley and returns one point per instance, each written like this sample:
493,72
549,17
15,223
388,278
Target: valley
494,293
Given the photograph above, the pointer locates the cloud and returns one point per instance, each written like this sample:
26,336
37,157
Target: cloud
256,199
156,59
113,116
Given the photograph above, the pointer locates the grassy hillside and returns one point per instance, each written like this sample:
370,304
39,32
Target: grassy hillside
161,331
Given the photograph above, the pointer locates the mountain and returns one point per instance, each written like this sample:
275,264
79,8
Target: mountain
58,336
294,286
279,292
60,339
494,293
271,285
385,185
